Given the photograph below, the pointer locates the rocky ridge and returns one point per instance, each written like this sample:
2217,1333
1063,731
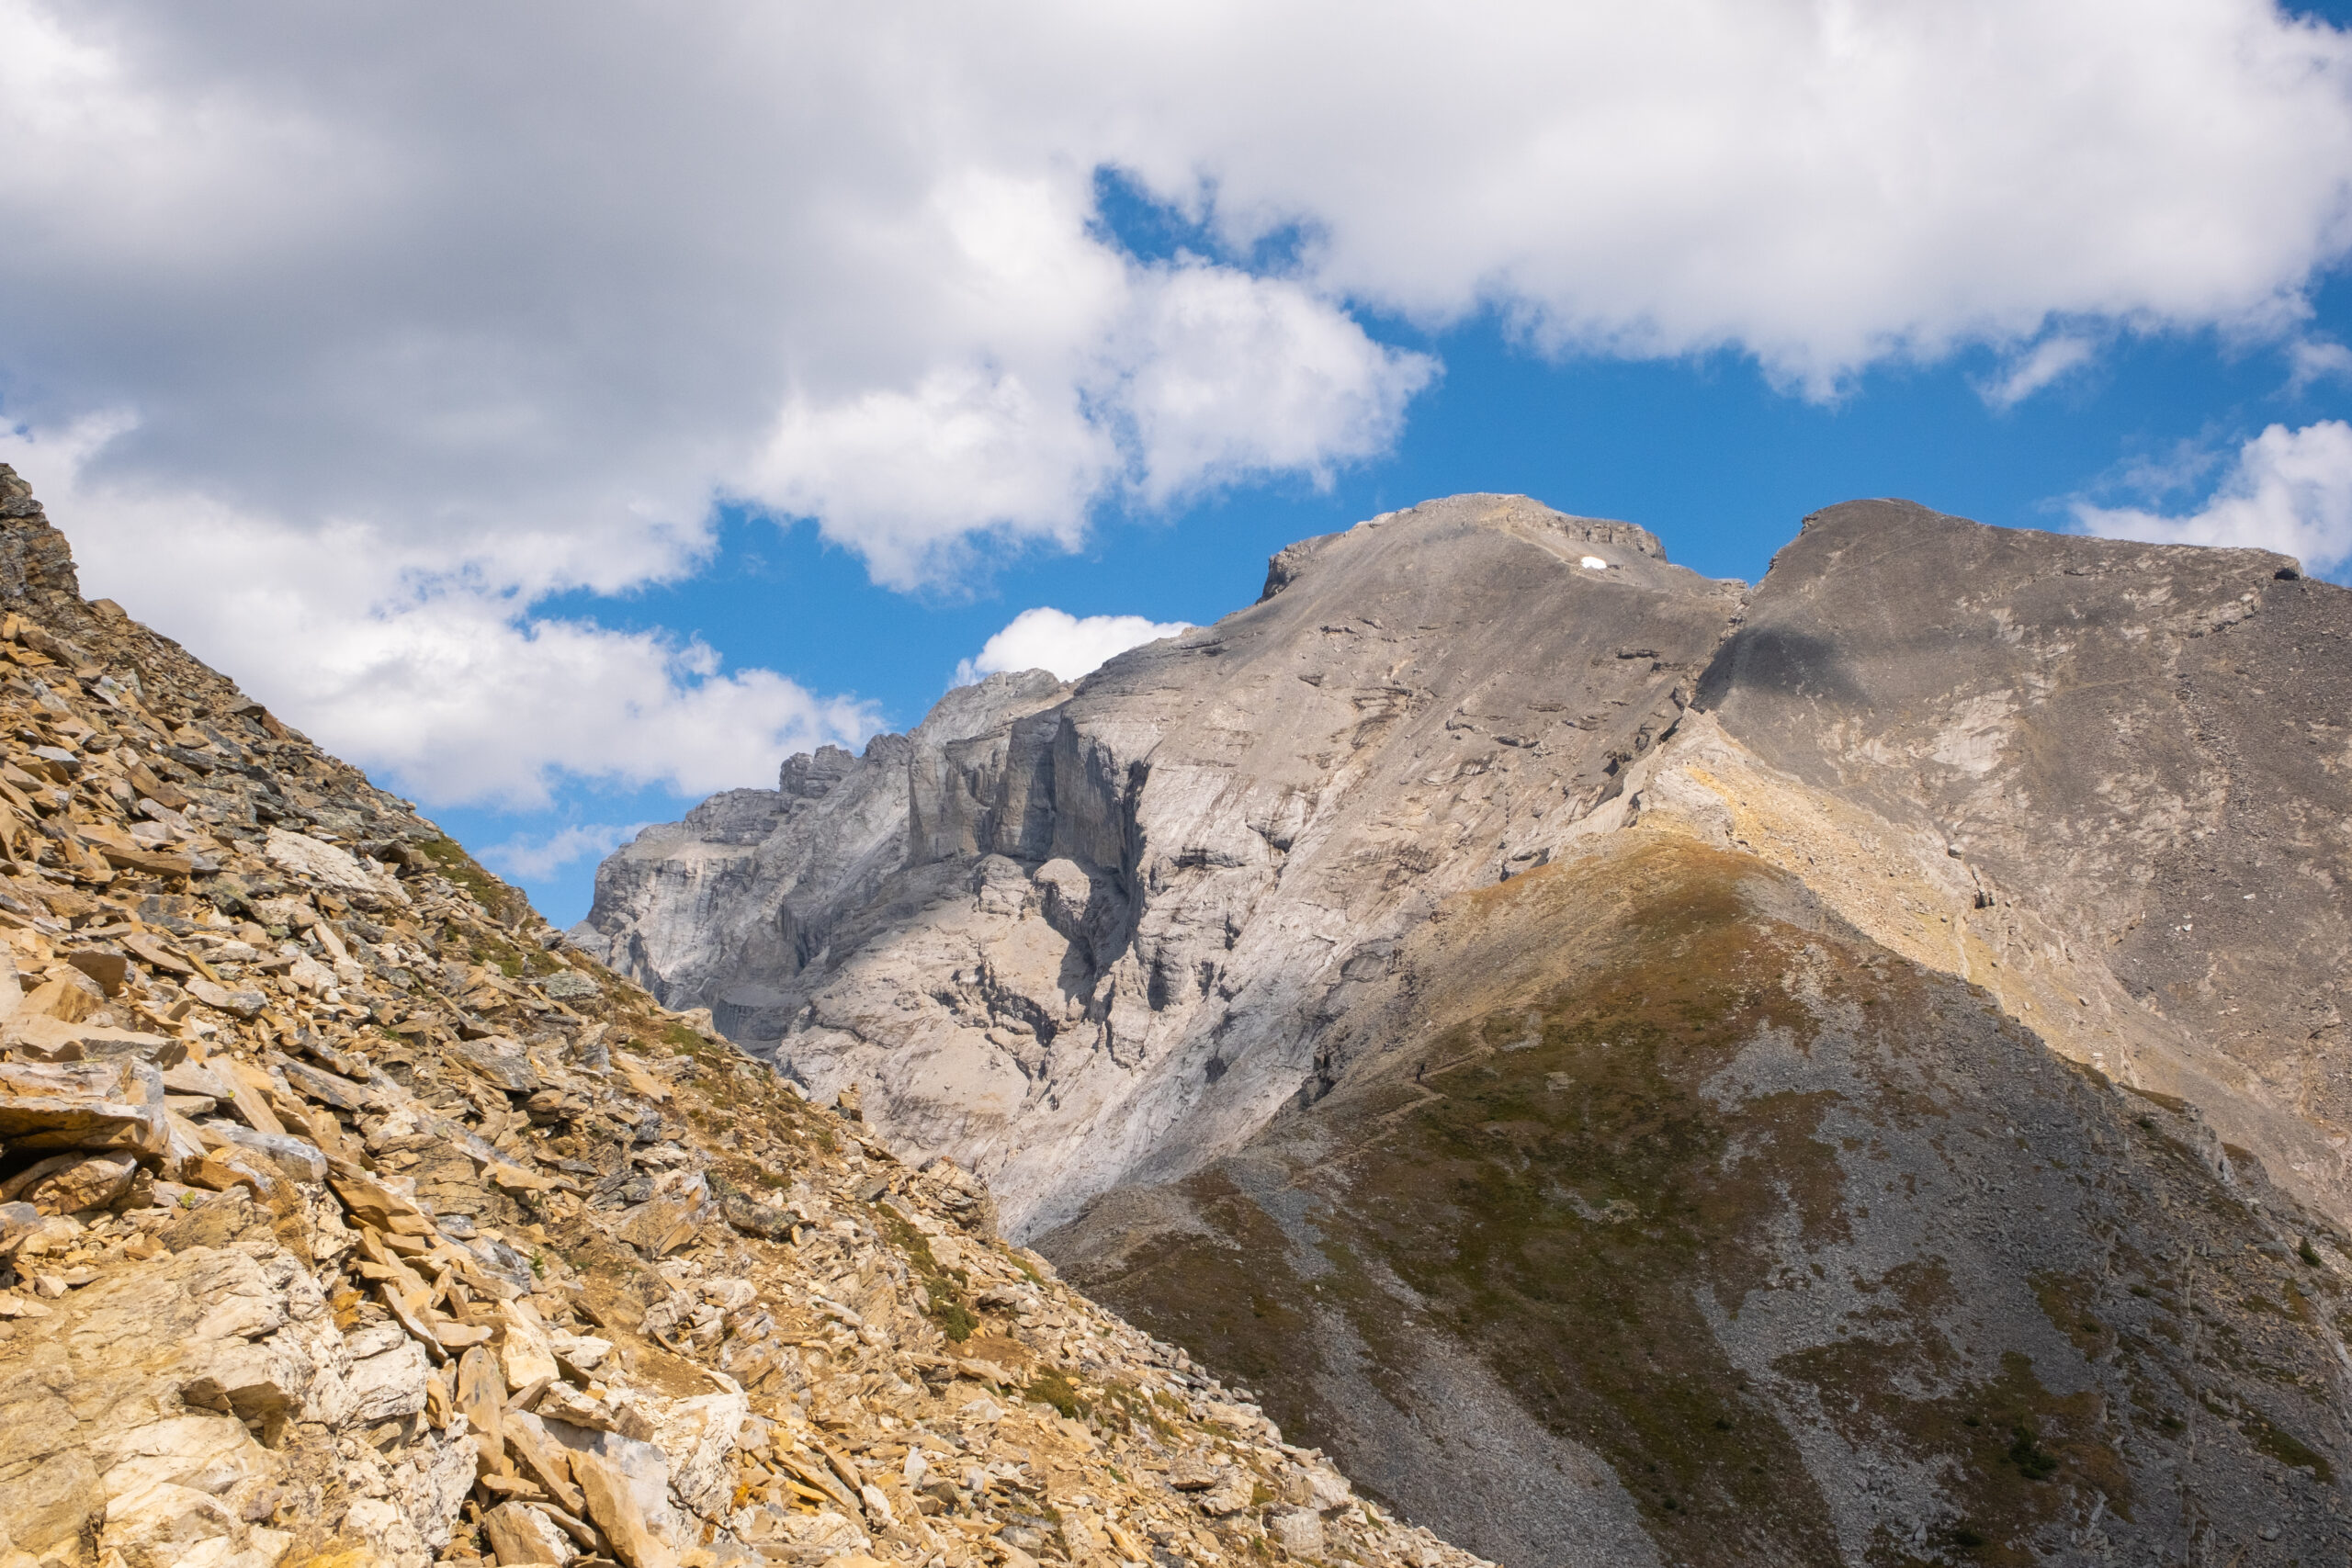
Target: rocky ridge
345,1220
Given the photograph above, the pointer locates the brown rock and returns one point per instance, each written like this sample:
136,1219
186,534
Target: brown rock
87,1105
481,1396
520,1533
614,1508
62,1000
663,1224
108,969
82,1184
249,1089
151,950
42,1037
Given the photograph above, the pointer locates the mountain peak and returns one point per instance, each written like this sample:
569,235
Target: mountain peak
1545,1014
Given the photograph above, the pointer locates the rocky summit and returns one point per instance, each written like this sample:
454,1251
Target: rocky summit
345,1219
1639,1068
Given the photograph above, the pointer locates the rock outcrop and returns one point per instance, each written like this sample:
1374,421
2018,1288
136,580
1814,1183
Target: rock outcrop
1647,1070
345,1220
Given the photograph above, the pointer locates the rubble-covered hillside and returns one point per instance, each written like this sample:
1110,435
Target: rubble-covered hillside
344,1219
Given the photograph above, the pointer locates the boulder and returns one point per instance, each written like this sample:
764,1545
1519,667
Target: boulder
524,1353
245,1002
697,1438
665,1222
389,1383
1298,1532
614,1490
520,1533
502,1061
83,1105
70,1184
293,1158
1233,1490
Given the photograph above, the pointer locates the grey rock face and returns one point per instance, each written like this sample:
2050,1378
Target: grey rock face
725,909
1074,936
1088,936
2141,756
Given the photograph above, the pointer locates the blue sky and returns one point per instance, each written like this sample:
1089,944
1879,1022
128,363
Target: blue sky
561,467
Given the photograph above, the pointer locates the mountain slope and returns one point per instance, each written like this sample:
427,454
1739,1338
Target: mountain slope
1661,1074
1750,1241
344,1221
2143,755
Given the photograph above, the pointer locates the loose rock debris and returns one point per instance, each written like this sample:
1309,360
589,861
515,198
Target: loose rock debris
345,1219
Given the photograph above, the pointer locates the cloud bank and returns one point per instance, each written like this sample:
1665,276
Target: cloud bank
394,322
2289,490
1070,646
535,859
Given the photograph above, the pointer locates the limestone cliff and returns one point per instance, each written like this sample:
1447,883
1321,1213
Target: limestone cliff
1077,937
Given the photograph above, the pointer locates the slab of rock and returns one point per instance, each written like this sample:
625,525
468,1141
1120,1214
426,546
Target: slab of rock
242,1002
83,1105
616,1503
519,1533
41,1038
333,867
294,1158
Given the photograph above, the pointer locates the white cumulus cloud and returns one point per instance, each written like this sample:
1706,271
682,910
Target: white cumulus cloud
2036,367
533,858
442,679
2318,359
2289,490
1070,646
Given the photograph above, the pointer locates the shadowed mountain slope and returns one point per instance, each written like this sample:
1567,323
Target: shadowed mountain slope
1664,1218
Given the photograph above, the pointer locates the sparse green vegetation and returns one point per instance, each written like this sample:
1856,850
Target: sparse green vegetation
2288,1450
450,859
2033,1462
944,1287
1052,1386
